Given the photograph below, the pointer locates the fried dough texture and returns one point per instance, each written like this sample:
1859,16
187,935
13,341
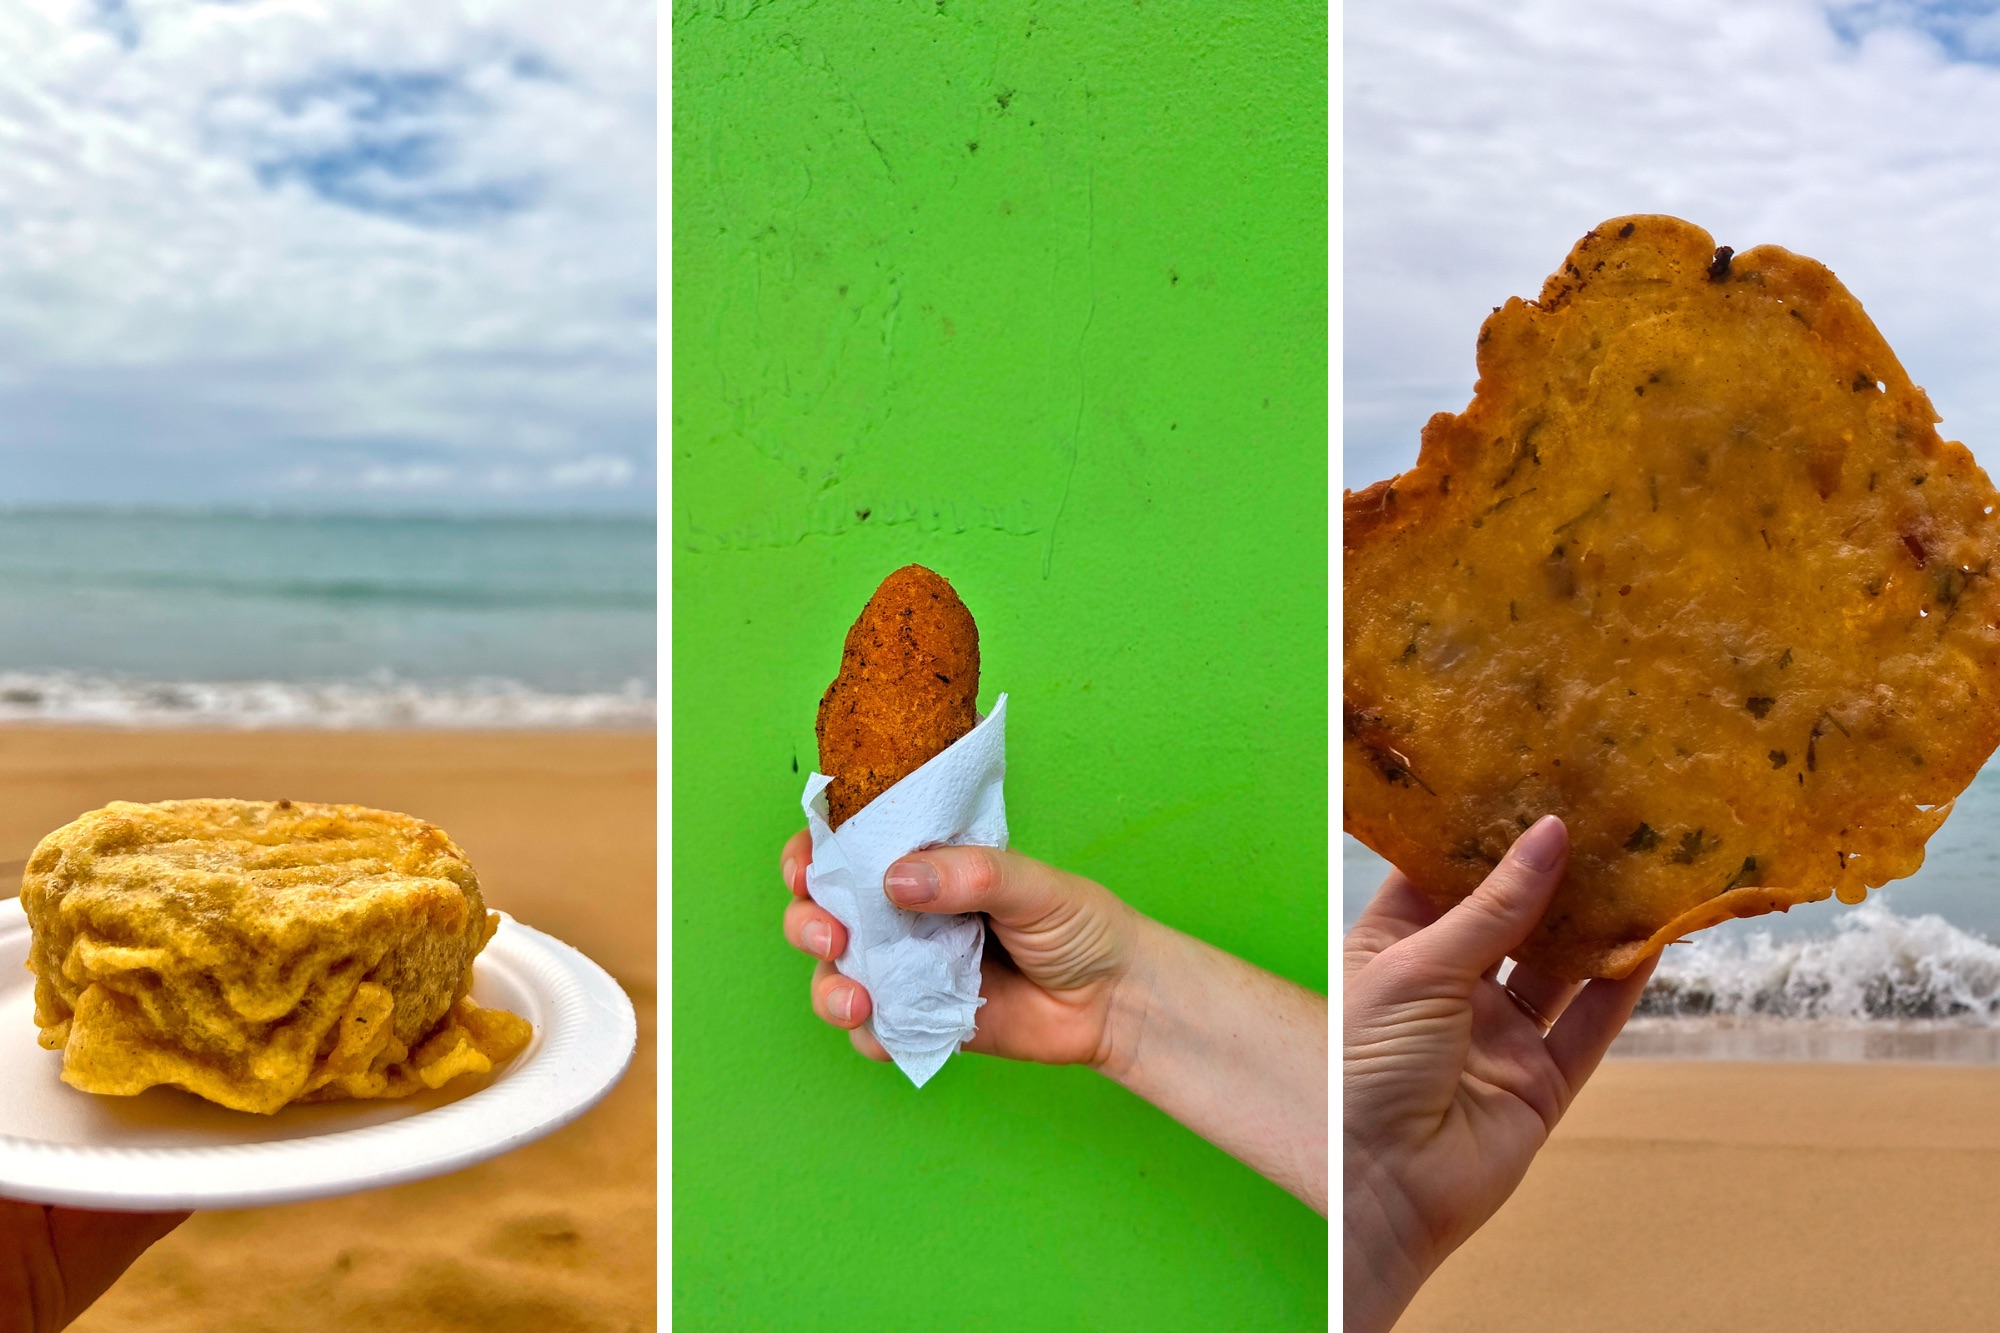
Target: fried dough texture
1693,571
260,953
907,689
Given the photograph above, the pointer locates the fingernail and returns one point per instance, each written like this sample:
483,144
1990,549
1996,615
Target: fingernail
841,1003
790,870
912,882
819,939
1542,846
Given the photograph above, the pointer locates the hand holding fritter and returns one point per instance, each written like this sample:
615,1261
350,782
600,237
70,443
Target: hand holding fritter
1080,977
1451,1080
1694,571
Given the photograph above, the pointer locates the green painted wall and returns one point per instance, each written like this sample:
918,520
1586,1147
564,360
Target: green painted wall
1035,294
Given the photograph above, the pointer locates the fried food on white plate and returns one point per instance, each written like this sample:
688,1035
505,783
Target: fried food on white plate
259,953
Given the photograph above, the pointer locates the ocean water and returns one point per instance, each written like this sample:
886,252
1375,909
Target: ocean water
283,620
1913,973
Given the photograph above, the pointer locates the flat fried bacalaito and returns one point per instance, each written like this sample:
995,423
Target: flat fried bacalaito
260,953
1693,571
907,689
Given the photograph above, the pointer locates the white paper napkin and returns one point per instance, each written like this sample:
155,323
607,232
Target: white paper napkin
921,970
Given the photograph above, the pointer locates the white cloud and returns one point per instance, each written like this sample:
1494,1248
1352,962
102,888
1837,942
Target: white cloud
1482,140
355,235
597,471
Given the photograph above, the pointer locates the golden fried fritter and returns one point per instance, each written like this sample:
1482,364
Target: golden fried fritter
1693,571
259,953
907,689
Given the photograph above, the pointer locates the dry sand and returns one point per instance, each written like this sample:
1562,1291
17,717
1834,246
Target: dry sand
1683,1195
557,1237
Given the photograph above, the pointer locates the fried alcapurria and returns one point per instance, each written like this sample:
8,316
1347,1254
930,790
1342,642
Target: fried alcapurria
908,683
1694,571
259,953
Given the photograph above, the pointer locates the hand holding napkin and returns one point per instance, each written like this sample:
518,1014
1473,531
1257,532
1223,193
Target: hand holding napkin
921,970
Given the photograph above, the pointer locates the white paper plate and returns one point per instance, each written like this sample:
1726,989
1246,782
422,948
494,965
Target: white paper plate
166,1149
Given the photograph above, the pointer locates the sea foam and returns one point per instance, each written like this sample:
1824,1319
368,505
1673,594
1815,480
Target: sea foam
377,701
1879,987
1875,965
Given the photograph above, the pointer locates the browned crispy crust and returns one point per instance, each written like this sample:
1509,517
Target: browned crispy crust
907,689
1694,571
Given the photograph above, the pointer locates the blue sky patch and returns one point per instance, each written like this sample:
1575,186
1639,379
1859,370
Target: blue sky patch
388,143
117,18
1965,29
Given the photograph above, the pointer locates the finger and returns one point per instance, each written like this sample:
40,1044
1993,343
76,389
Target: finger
1014,890
1548,995
1595,1018
1492,920
863,1040
1024,1021
792,862
31,1281
1398,910
837,1000
93,1248
1012,1006
812,929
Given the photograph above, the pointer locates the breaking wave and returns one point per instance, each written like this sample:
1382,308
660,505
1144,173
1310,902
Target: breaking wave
378,701
1880,987
1876,966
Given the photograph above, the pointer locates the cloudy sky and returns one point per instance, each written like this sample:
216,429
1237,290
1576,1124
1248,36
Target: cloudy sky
1483,139
327,253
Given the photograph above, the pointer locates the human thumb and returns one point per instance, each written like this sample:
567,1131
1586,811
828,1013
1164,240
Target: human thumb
1011,888
1490,922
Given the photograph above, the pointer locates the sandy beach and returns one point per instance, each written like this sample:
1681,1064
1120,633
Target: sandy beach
557,1237
1684,1195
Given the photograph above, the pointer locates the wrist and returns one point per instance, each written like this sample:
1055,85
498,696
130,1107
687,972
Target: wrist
1233,1053
1132,997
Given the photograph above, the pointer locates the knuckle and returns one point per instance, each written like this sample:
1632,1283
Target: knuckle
1490,907
977,873
1403,972
1503,891
794,858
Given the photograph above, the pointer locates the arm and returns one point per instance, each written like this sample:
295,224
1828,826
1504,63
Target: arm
1227,1049
1236,1054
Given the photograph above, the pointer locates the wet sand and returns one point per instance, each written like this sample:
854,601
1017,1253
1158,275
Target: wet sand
556,1237
1695,1195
